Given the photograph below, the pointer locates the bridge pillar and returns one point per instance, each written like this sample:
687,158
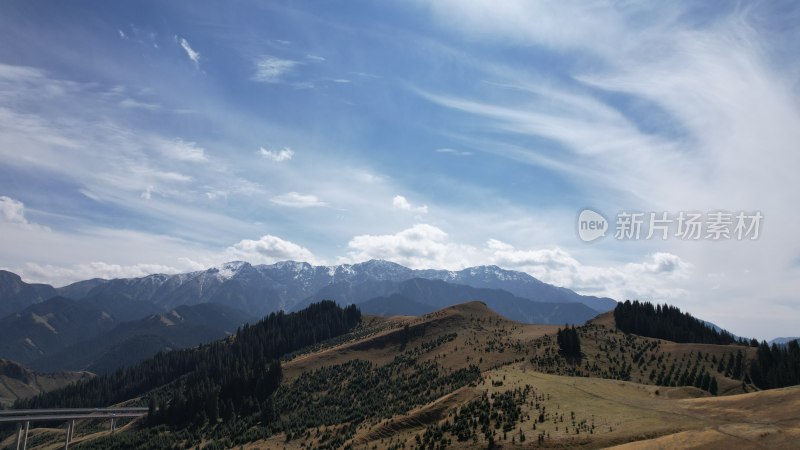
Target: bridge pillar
69,429
25,436
19,436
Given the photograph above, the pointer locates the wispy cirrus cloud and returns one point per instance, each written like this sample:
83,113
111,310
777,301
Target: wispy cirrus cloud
708,123
190,52
284,154
297,200
184,151
452,151
131,103
270,69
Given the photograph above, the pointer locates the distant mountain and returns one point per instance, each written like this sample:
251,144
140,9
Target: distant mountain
123,309
130,342
783,340
16,295
261,289
80,289
18,382
420,296
394,305
257,290
47,327
518,283
348,290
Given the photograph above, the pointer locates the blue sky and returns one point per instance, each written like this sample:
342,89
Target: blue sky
140,137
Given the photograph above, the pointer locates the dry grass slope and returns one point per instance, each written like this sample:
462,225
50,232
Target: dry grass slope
18,382
567,404
587,411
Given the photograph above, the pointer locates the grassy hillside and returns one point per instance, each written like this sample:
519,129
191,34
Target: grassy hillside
465,377
18,382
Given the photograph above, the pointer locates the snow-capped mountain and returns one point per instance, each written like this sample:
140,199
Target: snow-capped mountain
287,285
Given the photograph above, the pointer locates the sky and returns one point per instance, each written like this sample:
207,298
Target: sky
143,137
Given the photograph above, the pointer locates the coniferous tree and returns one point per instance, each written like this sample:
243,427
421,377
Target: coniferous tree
712,387
569,342
776,366
667,322
242,373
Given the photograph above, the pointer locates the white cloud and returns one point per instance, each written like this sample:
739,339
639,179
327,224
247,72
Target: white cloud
421,246
656,278
269,249
97,269
193,55
12,211
709,121
284,154
315,58
270,69
401,203
368,177
135,104
566,25
297,200
165,176
147,194
663,263
214,195
184,151
452,151
62,256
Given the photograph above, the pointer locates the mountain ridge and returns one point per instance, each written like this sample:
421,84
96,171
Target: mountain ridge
16,294
264,288
422,296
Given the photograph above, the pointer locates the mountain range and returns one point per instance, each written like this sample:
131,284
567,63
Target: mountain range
260,289
63,334
99,325
420,296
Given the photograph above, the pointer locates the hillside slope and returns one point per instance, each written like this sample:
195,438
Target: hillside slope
419,296
44,328
18,382
16,295
466,377
131,342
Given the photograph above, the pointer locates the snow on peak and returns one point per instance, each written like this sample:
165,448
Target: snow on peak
295,266
228,270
